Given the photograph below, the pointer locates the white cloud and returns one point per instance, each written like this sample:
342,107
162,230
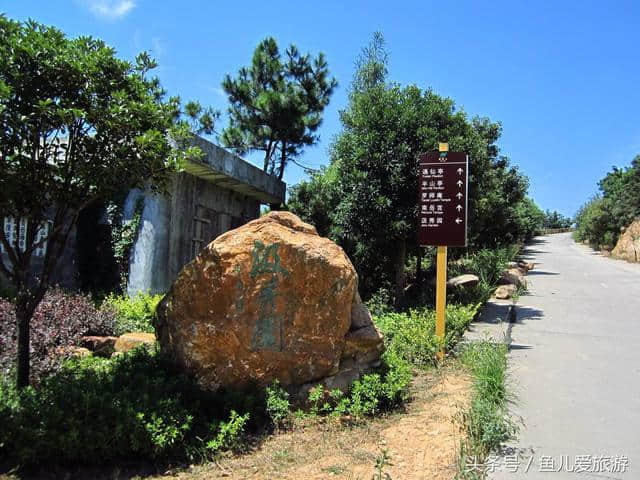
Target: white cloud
110,9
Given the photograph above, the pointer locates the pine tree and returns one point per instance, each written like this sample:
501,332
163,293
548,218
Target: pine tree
277,104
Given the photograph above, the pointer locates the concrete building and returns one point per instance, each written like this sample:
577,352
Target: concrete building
212,196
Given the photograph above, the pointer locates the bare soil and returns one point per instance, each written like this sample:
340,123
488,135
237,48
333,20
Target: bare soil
420,443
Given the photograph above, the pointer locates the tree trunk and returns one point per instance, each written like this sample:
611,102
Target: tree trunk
401,255
23,318
283,160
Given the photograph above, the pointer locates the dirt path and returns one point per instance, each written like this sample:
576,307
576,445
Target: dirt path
420,443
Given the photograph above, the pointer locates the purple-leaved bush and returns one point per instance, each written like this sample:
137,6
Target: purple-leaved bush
59,321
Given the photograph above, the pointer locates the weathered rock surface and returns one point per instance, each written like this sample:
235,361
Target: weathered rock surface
513,276
526,266
628,246
269,300
129,341
101,346
466,280
505,291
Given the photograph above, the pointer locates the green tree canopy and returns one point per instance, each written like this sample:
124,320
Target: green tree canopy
370,188
77,125
554,219
277,104
601,220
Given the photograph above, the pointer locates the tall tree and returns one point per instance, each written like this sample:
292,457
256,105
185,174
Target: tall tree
370,188
76,125
277,104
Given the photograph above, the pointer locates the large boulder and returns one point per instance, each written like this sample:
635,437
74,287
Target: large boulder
628,246
269,300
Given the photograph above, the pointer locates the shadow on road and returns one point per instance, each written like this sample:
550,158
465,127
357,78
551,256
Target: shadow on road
537,241
517,346
525,314
530,251
541,272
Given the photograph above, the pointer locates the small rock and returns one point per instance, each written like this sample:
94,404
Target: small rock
72,351
129,341
363,340
360,316
505,291
466,280
512,276
101,346
526,266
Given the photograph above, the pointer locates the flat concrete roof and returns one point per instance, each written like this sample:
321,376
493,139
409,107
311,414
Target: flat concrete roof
229,171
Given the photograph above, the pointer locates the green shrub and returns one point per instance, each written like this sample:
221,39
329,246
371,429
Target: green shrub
488,264
60,320
366,395
98,410
411,335
277,403
229,433
133,314
380,302
316,400
397,376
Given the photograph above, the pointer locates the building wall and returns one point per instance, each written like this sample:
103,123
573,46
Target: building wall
148,262
201,211
63,274
176,227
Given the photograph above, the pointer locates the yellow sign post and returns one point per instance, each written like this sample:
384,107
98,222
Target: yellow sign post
441,285
442,218
441,297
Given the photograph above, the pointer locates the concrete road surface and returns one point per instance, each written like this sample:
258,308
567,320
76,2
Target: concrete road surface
575,367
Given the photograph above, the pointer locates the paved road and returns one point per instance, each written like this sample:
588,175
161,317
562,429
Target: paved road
575,365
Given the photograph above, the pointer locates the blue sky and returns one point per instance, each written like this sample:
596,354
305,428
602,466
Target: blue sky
562,77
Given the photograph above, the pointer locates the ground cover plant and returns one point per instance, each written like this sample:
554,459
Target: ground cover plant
94,410
486,423
132,314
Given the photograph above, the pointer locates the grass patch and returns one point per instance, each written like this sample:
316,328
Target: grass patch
487,423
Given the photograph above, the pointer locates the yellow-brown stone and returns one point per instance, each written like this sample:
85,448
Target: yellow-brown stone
271,299
129,341
628,246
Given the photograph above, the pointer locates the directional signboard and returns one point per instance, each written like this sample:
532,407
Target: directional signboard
443,199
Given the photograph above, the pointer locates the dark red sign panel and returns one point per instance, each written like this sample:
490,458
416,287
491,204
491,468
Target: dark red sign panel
443,199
